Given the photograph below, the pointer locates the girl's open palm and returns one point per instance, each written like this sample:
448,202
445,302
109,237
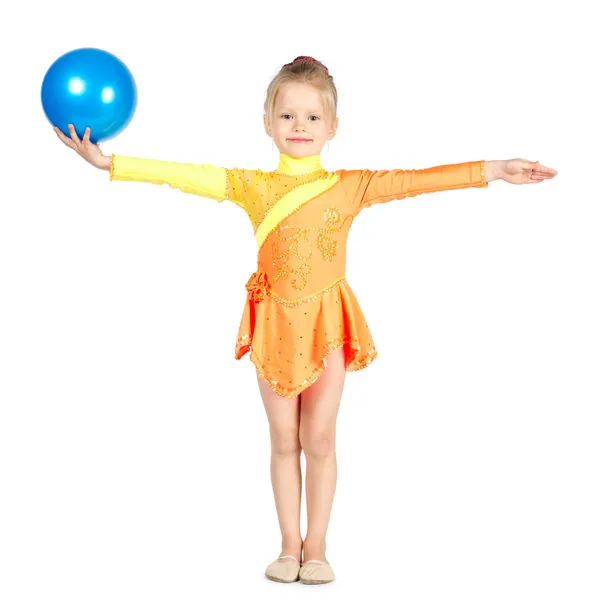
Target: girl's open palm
86,149
521,170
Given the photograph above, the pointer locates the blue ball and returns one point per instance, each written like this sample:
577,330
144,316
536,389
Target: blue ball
91,88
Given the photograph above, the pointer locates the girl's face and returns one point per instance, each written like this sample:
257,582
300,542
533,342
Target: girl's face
299,113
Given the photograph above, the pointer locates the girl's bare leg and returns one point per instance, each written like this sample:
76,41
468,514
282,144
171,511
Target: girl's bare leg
286,478
319,406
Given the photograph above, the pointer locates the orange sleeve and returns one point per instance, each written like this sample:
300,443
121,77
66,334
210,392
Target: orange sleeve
373,187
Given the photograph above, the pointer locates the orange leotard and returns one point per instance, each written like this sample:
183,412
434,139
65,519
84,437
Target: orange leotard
299,306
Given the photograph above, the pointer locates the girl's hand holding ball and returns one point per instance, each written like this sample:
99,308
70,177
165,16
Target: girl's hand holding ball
86,149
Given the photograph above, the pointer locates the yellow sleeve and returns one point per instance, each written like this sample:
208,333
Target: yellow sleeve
373,187
208,181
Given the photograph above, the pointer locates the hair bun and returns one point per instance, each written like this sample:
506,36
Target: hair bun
308,59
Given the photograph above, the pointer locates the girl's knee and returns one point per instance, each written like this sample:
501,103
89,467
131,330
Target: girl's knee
318,444
285,440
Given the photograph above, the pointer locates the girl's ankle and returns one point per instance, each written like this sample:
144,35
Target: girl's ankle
292,545
314,542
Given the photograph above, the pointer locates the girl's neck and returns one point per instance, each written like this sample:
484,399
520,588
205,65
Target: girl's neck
292,165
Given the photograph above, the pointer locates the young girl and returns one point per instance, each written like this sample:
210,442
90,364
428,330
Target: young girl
302,324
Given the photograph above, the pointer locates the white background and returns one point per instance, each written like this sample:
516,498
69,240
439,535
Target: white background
134,449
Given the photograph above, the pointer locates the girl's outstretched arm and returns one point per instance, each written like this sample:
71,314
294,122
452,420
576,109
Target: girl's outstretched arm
203,180
366,187
209,181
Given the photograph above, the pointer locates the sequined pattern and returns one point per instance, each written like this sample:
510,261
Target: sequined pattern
292,242
314,197
311,298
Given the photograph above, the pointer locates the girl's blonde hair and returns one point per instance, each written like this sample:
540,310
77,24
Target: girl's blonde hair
305,69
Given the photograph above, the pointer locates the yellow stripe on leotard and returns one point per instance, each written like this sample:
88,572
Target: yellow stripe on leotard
291,202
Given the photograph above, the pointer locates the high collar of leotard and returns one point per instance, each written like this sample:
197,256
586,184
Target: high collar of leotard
291,165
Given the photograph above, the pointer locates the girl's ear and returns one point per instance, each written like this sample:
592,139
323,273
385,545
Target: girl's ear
267,125
334,129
